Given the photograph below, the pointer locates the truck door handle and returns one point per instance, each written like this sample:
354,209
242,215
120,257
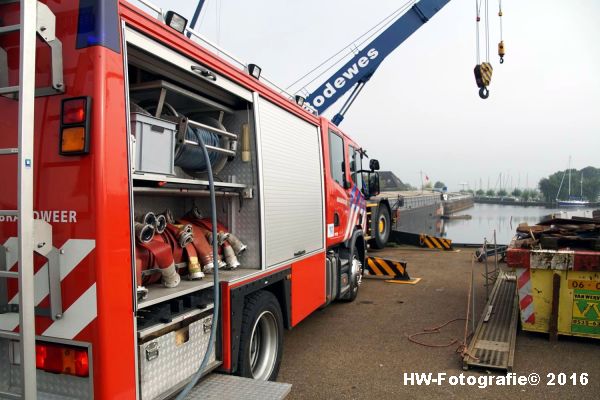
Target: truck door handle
299,253
203,72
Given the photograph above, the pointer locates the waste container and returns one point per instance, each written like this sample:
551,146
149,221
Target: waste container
577,290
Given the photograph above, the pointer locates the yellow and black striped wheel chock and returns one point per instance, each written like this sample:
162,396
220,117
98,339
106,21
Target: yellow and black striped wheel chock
432,242
395,271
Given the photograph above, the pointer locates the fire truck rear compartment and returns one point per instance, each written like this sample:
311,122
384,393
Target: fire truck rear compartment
173,323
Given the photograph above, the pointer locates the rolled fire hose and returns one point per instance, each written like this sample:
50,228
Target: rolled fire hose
149,219
233,240
144,233
203,248
196,217
229,255
161,224
194,266
216,309
201,235
163,257
183,233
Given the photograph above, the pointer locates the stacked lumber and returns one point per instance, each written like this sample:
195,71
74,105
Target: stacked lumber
560,233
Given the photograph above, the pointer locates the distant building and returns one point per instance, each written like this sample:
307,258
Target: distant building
389,182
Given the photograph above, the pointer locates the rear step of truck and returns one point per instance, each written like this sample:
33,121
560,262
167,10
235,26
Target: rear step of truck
228,387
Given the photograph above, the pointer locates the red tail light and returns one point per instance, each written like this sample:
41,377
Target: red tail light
74,111
62,359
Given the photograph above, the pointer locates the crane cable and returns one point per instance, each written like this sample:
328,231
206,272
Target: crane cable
478,18
487,31
501,44
483,70
359,41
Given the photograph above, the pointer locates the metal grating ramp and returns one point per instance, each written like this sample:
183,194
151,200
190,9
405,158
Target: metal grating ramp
229,387
493,343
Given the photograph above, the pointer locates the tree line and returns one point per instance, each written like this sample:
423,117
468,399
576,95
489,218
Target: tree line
549,187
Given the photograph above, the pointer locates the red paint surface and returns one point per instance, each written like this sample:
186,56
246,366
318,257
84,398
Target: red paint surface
517,258
95,186
226,325
308,286
586,261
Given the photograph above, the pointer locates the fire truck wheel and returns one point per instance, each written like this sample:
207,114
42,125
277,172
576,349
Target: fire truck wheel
261,339
381,227
356,272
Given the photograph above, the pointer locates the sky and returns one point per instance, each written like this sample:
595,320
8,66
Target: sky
421,110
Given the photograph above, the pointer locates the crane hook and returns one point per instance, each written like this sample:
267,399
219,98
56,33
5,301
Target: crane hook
484,92
501,51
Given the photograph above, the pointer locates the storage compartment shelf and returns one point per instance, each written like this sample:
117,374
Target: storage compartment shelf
176,96
157,293
184,181
143,333
183,192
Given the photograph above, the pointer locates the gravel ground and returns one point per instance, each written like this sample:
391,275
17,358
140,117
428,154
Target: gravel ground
360,350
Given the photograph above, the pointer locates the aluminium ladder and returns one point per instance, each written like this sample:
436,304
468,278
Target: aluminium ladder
35,19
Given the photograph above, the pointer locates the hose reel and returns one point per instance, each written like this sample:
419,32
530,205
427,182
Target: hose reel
188,154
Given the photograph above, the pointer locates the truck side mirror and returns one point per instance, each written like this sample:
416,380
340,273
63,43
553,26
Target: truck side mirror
374,165
373,185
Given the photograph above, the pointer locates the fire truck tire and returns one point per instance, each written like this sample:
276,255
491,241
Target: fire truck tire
356,272
261,338
381,227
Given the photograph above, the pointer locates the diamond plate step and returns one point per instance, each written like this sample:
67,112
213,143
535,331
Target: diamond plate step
493,343
229,387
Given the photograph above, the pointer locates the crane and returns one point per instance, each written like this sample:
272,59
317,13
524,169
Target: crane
355,73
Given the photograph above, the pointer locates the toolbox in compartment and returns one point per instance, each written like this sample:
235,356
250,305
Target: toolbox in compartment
167,360
154,144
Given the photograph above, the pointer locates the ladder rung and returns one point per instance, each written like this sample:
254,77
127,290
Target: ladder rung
9,151
9,28
9,274
4,334
9,212
10,395
9,90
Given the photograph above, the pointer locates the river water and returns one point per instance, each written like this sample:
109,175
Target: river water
503,218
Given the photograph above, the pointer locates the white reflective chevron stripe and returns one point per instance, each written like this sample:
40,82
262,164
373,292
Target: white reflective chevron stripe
9,321
72,253
76,317
350,222
12,252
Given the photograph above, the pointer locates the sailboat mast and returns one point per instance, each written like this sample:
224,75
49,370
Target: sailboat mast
581,195
569,168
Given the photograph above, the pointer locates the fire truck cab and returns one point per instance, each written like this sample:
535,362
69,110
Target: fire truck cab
140,128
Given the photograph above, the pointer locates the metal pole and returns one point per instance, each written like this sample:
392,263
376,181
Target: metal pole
495,254
487,271
473,297
25,196
196,16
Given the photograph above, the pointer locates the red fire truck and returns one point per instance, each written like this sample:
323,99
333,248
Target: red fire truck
139,169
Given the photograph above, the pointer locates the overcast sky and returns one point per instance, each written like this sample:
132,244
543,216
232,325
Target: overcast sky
421,111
